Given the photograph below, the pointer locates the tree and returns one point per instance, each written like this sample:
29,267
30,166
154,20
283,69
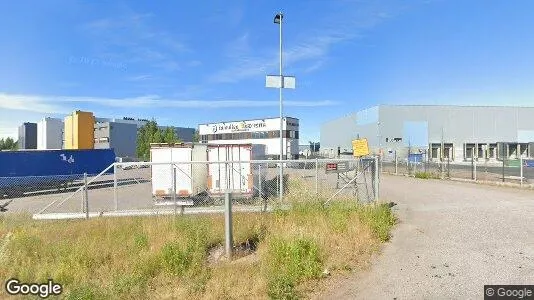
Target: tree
151,133
196,136
8,144
169,136
145,136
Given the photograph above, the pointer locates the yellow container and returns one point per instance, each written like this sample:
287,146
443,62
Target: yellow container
79,130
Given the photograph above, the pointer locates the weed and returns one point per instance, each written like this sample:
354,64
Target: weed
120,258
289,263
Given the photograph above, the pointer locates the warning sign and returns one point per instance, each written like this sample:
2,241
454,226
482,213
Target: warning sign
360,147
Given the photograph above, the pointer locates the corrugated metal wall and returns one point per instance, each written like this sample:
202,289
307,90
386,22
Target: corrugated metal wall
455,124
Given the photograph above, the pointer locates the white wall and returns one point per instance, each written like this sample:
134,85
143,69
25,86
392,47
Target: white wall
272,145
247,126
50,134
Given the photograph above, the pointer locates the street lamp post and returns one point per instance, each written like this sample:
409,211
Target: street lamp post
278,20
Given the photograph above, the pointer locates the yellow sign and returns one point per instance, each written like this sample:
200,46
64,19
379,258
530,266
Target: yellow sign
360,147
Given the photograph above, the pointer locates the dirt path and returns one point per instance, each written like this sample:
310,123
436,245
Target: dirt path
452,239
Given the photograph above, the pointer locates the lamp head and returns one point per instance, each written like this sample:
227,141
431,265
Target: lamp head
278,18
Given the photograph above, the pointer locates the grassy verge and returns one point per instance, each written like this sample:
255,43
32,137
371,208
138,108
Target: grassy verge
426,175
167,257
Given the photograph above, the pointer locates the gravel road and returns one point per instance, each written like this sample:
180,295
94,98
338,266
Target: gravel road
453,238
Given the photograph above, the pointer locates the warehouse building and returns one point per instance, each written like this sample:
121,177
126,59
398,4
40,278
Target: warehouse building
122,137
185,134
456,133
260,131
50,134
27,136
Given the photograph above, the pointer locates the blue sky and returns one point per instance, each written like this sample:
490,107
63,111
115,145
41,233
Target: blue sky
190,62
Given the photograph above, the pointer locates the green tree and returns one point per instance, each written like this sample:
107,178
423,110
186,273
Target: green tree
151,133
145,136
196,136
169,136
8,144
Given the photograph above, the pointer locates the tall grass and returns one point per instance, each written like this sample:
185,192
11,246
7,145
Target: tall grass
167,257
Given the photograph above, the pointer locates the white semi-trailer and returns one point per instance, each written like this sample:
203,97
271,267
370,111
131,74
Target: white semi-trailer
190,179
242,178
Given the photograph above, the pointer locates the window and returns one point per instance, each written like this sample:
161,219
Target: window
273,134
387,140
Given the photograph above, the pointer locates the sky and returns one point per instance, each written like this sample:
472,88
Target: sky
185,63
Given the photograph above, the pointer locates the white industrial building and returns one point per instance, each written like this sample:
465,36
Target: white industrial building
260,131
457,133
50,133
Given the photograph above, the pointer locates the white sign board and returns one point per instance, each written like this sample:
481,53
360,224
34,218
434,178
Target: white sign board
273,81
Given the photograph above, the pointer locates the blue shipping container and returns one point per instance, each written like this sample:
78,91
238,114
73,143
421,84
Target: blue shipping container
528,163
42,167
415,157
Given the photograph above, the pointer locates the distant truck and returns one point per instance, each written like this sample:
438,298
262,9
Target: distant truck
241,179
33,170
189,179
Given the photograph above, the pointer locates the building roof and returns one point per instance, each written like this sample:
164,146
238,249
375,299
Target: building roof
246,120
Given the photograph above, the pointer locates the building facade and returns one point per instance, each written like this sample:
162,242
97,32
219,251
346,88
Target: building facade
50,133
79,130
122,137
27,136
184,133
260,131
457,133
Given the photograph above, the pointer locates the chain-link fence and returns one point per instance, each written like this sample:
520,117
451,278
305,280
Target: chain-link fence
519,171
146,188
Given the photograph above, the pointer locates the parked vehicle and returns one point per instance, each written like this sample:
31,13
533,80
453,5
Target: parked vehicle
241,179
189,179
33,170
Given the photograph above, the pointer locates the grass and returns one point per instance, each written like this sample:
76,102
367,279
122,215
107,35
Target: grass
426,175
166,257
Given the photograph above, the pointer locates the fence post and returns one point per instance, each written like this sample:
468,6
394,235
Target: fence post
228,224
377,185
115,196
521,170
396,163
174,190
260,189
86,196
475,168
503,168
316,175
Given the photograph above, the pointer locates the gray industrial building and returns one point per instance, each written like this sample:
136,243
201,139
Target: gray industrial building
122,137
185,134
456,133
27,136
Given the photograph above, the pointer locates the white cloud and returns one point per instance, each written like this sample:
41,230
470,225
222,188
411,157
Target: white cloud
143,77
29,103
137,41
313,44
64,104
6,132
